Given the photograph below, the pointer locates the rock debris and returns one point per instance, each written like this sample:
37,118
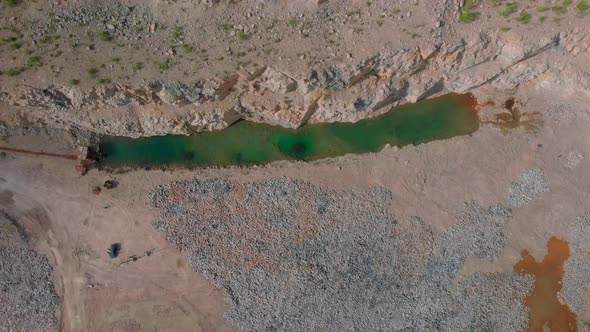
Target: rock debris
292,256
27,296
528,188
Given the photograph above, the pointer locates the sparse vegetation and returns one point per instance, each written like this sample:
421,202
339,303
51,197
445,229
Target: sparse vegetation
104,36
11,3
187,48
14,71
137,66
46,39
242,36
165,65
73,82
524,17
582,7
542,19
92,72
510,8
292,22
178,32
34,61
15,45
467,16
563,8
102,81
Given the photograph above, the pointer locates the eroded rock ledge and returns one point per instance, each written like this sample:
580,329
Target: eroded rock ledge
329,91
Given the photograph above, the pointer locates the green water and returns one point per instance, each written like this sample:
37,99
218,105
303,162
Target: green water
247,143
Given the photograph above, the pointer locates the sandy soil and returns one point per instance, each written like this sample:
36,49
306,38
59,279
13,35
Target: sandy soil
75,228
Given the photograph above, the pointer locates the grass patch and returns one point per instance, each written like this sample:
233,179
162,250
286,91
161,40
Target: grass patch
104,36
242,36
14,71
166,64
46,39
582,7
467,16
187,48
504,29
102,81
137,66
563,8
178,32
73,82
292,21
543,9
11,3
510,8
542,19
92,72
33,61
524,17
15,45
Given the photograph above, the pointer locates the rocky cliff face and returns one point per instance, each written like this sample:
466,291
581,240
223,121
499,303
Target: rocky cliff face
342,91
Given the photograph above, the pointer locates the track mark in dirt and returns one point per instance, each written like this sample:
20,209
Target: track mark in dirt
545,308
6,197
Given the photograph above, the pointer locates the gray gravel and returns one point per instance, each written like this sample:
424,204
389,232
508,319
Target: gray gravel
528,188
292,256
576,277
27,297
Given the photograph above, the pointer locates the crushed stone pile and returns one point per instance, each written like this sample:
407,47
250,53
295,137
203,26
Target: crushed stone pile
528,188
27,296
576,277
292,256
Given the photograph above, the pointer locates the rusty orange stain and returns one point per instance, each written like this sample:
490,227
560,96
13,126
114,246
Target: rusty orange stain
468,101
544,306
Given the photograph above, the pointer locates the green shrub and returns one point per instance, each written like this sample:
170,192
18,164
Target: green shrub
11,3
14,71
166,64
137,66
187,48
104,36
510,8
92,72
582,7
242,36
292,22
73,82
103,81
467,16
34,61
524,17
563,8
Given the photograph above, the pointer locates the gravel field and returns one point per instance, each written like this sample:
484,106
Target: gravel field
527,188
292,256
27,297
576,278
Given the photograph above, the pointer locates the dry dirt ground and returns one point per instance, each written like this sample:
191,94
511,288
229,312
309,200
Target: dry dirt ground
432,181
77,67
74,228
